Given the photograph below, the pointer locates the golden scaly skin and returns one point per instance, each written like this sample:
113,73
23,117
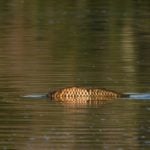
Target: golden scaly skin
83,95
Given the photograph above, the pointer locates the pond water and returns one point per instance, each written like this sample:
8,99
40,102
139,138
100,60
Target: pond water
52,44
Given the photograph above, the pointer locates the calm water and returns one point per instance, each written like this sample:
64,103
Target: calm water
52,44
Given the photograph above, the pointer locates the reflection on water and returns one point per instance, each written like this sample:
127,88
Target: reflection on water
48,44
37,125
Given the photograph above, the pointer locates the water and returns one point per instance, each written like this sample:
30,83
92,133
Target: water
51,44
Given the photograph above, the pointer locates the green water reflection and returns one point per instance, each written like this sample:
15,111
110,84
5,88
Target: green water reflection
52,44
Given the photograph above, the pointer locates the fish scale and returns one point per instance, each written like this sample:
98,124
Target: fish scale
80,94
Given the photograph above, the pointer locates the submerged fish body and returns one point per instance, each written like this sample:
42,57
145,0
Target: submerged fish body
83,95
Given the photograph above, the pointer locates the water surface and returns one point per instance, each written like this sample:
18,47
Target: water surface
51,44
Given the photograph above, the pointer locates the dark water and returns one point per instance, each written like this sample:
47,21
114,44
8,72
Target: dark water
53,44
